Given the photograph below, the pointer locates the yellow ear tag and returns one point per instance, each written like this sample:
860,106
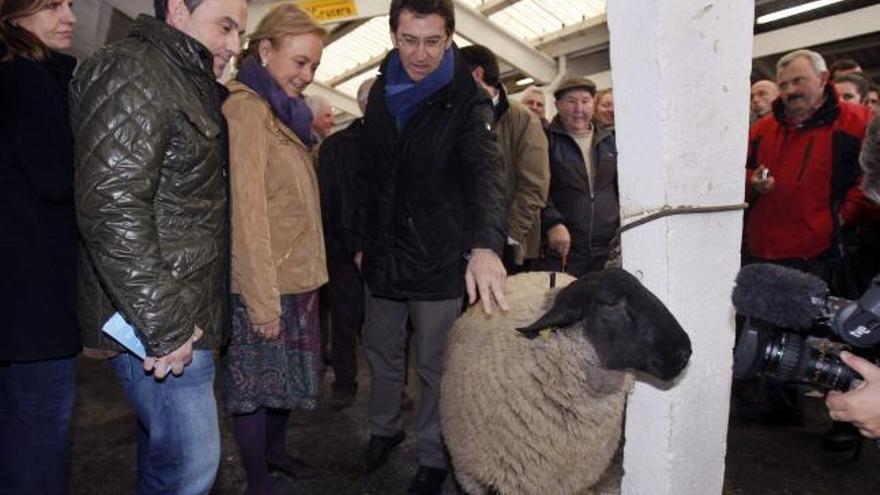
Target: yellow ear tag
545,333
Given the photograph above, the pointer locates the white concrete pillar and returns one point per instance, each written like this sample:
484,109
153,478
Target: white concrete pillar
681,88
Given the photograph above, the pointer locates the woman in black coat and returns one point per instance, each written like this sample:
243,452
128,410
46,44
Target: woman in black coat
38,246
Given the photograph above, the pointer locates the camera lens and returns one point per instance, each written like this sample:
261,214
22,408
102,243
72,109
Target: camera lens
788,357
827,371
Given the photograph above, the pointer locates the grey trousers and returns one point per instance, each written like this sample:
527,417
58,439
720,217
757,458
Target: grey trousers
384,336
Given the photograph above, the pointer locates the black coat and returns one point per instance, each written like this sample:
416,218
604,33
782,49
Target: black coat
338,163
592,220
434,190
38,234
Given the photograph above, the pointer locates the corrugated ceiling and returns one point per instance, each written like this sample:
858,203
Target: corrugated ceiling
529,19
526,19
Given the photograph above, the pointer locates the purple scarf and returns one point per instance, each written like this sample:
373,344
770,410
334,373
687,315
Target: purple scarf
292,111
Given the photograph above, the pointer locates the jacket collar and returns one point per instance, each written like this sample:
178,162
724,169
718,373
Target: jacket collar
824,115
183,51
503,106
556,127
238,87
61,65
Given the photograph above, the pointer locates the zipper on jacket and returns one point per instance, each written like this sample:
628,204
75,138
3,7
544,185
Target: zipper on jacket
592,227
805,161
595,158
594,151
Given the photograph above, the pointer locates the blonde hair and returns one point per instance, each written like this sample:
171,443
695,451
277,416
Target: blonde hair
287,19
599,94
20,41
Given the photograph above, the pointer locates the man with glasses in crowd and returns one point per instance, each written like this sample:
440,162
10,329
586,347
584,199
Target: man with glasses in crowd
433,209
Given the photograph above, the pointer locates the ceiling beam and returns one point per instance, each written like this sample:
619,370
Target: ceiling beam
587,36
343,29
357,70
476,27
336,98
492,6
471,29
825,30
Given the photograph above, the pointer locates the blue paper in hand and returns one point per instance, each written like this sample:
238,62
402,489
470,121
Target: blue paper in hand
119,329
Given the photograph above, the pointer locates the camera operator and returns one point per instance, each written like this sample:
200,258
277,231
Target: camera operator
861,406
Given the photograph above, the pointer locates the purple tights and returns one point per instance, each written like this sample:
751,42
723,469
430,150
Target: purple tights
260,437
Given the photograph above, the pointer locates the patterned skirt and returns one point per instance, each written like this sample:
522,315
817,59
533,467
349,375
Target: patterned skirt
284,373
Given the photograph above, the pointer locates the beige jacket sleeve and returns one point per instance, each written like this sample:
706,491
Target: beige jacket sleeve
533,179
253,268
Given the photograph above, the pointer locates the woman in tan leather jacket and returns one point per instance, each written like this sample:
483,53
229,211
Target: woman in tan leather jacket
273,363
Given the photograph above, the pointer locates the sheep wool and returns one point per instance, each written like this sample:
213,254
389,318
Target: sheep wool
527,416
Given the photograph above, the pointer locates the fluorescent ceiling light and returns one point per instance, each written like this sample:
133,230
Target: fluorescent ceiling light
523,82
798,9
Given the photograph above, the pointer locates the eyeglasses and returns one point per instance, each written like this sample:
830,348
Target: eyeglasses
433,44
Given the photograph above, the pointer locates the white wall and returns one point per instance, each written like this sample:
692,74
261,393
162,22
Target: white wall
681,75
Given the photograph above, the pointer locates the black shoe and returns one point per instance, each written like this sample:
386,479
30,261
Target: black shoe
379,449
292,467
428,481
841,437
342,397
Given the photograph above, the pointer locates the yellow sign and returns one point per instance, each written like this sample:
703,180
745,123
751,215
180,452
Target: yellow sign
330,10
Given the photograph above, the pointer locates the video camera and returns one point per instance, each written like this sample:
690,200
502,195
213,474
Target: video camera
794,329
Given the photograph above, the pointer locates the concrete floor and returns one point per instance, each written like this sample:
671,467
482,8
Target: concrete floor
761,460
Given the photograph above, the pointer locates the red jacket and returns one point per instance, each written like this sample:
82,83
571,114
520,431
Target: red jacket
815,166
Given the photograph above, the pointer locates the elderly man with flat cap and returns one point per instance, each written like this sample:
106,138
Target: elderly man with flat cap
583,212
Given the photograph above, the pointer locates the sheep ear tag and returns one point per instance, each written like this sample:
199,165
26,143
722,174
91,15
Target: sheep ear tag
567,309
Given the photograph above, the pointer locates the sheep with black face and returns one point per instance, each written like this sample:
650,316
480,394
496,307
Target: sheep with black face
544,415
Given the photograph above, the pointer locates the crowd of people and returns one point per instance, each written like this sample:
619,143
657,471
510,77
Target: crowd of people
210,217
807,211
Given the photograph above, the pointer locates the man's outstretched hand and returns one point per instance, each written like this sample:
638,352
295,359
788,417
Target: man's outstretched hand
486,277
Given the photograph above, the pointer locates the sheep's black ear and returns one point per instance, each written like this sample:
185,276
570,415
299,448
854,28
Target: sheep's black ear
567,309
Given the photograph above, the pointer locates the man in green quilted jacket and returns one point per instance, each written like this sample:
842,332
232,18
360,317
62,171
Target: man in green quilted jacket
151,199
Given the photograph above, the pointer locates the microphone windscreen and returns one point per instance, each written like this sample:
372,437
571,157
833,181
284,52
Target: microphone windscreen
780,295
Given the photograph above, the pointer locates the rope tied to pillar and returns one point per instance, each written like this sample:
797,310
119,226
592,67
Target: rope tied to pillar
667,211
664,211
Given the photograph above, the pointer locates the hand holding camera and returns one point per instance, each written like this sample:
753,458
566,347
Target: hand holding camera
861,405
795,329
795,332
761,181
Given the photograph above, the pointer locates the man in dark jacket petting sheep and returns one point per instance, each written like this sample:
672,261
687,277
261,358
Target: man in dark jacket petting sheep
433,209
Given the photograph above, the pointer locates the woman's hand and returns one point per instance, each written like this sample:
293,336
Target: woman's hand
269,331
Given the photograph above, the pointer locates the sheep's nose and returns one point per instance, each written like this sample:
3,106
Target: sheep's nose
684,355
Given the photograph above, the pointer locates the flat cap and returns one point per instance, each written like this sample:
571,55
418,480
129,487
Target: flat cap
575,83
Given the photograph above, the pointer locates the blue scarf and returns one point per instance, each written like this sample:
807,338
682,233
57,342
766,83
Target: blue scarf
292,111
404,96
